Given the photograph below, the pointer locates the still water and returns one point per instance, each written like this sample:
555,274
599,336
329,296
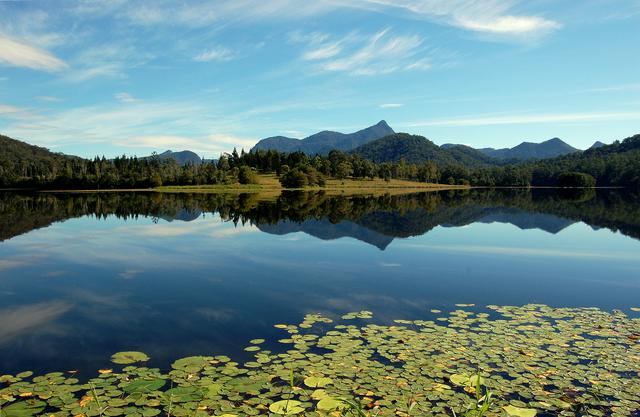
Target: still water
85,275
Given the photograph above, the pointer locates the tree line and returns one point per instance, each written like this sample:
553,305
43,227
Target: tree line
612,165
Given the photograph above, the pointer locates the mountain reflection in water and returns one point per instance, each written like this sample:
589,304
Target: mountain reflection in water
376,220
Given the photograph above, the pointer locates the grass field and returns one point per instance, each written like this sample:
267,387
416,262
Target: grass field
269,186
270,183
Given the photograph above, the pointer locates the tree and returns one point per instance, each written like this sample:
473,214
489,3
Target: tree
247,176
576,179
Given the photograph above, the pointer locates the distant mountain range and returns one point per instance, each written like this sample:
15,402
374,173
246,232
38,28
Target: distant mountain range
529,150
182,157
380,143
324,142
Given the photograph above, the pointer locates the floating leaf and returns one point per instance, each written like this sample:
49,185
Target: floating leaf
144,386
126,358
513,411
317,382
183,395
26,408
286,407
330,404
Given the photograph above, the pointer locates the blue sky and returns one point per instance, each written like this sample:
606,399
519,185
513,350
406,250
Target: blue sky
93,78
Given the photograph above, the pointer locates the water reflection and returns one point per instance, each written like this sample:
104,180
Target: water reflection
374,220
86,275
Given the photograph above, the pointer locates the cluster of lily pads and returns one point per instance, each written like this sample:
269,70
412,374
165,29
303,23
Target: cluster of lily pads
509,361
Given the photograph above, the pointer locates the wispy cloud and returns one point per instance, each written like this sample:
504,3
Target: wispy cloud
528,119
613,88
50,99
125,97
390,105
17,53
15,321
380,53
484,16
218,53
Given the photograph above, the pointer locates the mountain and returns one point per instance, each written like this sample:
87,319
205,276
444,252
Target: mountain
323,142
529,150
15,150
597,145
417,149
183,157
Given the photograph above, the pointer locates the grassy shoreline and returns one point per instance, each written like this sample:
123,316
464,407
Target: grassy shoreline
269,184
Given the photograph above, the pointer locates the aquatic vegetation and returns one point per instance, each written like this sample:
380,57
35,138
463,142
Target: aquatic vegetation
510,361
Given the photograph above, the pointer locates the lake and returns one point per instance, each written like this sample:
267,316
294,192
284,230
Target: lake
85,275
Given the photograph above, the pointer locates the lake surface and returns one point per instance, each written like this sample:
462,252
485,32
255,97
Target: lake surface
85,275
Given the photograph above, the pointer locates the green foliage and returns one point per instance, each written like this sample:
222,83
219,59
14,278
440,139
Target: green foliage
400,156
302,176
576,179
534,358
246,175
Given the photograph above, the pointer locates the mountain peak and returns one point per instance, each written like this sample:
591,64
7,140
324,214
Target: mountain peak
325,141
597,144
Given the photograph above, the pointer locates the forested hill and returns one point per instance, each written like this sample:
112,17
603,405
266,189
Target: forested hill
415,149
19,159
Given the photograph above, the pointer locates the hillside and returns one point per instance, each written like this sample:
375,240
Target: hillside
417,149
529,150
323,142
182,157
21,160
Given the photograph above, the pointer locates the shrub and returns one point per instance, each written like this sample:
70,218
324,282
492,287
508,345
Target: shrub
576,179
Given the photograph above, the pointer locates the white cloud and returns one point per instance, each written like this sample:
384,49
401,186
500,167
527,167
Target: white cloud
166,142
380,53
17,320
125,97
613,88
494,17
18,113
224,141
390,105
50,99
323,52
513,25
89,73
528,119
19,54
218,53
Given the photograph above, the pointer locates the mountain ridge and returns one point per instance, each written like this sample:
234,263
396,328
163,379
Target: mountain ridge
325,141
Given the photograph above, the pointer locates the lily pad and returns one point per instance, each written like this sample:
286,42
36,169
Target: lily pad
330,404
144,386
126,358
23,409
317,382
513,411
286,407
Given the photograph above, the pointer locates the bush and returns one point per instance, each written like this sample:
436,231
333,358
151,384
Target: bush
302,176
576,179
247,176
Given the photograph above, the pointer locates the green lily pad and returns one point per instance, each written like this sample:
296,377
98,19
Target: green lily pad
286,407
23,409
317,382
330,404
126,358
519,412
183,394
144,386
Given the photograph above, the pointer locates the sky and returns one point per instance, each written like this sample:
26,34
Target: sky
132,77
